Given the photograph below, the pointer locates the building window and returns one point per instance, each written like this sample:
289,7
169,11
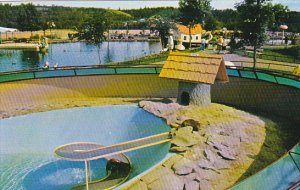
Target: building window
184,37
196,37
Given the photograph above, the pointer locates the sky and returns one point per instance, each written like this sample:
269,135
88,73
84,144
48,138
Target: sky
293,5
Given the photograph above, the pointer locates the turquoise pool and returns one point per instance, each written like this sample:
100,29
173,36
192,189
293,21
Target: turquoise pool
27,143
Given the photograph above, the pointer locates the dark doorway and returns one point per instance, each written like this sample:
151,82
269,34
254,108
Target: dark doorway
185,98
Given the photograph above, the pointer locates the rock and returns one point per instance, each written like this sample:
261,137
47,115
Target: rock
165,182
204,184
206,174
178,149
204,164
158,108
227,154
139,186
189,177
183,163
170,162
156,174
185,137
220,146
221,164
183,170
173,132
210,155
191,122
193,185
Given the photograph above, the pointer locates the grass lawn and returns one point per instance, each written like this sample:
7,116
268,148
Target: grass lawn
290,54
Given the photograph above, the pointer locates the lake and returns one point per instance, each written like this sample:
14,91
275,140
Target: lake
76,54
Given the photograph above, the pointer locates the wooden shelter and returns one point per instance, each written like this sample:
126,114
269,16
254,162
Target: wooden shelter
195,72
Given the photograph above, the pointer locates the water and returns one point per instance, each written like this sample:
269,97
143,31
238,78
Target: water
27,161
75,54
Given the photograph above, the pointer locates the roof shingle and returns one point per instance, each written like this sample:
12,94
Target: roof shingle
197,68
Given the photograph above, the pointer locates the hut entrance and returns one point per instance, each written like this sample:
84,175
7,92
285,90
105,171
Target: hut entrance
185,98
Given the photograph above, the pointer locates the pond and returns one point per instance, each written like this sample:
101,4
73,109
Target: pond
76,54
27,144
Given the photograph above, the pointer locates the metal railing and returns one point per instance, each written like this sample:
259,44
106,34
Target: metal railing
281,58
274,76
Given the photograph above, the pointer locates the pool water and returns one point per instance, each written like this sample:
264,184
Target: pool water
27,161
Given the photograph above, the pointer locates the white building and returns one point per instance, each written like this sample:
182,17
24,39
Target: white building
4,30
182,33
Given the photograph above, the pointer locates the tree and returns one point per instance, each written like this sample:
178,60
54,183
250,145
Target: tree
227,18
279,16
163,26
212,23
254,17
28,18
92,30
193,12
47,25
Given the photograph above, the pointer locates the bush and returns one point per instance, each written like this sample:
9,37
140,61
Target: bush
21,40
292,51
36,37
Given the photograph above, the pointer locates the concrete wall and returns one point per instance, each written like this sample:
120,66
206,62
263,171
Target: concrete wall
242,93
262,96
27,92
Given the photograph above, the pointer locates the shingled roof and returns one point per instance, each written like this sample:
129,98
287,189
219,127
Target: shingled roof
197,68
197,29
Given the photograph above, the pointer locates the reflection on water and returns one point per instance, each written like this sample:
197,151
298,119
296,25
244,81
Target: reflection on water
75,54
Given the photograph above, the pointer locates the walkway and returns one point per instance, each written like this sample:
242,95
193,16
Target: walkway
243,61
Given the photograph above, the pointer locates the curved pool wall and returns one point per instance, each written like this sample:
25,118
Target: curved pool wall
27,144
251,90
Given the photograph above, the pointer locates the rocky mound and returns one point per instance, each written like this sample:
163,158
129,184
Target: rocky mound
214,146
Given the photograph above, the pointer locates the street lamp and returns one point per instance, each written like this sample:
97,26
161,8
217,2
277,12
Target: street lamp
283,28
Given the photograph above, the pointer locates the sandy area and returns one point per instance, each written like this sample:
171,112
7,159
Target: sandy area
62,103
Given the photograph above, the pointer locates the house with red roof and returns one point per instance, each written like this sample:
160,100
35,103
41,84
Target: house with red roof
182,33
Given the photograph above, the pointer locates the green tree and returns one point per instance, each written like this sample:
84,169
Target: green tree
92,30
294,21
212,23
193,12
279,16
28,18
227,18
254,17
163,26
